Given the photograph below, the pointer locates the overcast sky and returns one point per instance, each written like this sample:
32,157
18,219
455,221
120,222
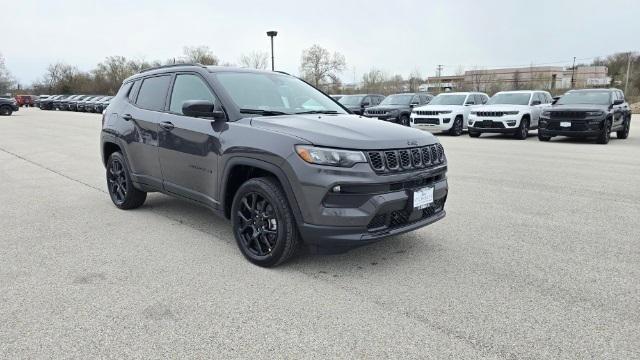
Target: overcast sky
396,36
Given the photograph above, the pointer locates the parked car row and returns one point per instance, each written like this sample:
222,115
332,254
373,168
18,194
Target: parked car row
590,113
86,103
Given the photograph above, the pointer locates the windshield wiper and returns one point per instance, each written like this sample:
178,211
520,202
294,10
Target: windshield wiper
318,112
263,112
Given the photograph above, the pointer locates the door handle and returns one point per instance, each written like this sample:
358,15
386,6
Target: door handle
127,117
167,125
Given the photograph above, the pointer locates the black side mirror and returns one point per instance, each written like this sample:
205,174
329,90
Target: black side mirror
201,108
536,102
470,103
413,104
618,102
366,103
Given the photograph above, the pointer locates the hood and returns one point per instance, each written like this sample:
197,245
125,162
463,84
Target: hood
453,108
578,107
388,107
346,131
501,107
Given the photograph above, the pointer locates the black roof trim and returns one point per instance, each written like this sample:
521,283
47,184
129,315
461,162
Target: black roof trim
171,66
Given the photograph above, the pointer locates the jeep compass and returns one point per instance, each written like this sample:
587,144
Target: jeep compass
283,161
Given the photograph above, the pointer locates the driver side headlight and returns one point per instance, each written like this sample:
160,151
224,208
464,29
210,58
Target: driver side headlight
330,157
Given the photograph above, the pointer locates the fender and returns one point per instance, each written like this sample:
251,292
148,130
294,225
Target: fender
264,165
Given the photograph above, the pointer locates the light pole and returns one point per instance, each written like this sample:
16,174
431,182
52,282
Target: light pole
272,34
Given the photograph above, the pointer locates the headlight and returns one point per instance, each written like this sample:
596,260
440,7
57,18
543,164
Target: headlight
594,113
511,112
330,157
546,113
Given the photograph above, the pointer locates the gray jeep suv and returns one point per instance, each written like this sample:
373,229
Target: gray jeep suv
283,161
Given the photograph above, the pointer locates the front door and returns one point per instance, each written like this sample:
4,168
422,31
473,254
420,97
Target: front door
189,146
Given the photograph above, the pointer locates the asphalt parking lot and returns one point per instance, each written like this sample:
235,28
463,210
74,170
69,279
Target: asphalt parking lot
539,257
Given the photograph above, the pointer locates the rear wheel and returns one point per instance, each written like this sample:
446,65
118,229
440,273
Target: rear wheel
6,110
123,194
523,130
456,128
263,223
624,133
605,135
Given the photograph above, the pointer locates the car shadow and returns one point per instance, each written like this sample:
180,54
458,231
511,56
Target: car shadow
202,219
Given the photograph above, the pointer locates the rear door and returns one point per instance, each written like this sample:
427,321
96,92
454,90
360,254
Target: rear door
189,146
144,115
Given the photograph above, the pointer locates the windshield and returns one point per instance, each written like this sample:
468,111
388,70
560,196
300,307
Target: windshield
510,99
397,100
585,97
448,100
351,100
273,93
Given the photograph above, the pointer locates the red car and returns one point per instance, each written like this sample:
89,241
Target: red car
24,100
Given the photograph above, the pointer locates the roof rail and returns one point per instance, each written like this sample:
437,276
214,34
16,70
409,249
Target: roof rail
172,65
282,72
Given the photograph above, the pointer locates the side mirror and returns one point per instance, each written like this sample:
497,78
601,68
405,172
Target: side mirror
618,102
413,105
365,104
536,102
469,103
201,108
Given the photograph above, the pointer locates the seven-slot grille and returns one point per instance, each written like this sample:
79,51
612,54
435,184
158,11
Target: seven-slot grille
429,112
376,112
398,160
568,114
490,113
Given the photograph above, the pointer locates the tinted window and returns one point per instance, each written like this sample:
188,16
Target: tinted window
188,87
585,97
153,93
620,95
133,90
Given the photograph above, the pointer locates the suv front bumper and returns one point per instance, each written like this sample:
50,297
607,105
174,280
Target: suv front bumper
442,122
503,124
368,207
576,128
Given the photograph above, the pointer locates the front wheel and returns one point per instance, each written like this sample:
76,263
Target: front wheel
542,137
263,223
6,111
605,135
123,194
456,128
404,120
523,130
624,133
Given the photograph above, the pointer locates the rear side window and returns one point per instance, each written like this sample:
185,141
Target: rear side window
153,93
188,87
133,91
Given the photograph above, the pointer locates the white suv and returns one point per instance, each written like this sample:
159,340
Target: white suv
509,112
447,112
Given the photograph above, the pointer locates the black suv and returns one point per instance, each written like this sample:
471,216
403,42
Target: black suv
357,104
282,160
397,108
8,106
587,113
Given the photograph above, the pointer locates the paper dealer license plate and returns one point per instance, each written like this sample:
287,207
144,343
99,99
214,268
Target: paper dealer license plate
565,124
422,198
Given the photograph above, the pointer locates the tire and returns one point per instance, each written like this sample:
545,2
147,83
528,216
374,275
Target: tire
404,120
474,134
6,111
542,137
456,128
523,130
121,190
605,135
263,223
624,133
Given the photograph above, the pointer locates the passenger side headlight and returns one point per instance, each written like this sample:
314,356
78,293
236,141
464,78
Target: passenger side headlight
330,157
511,112
595,113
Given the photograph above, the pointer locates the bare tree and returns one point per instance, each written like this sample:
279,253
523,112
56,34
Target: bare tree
318,65
255,60
200,54
414,80
374,81
7,82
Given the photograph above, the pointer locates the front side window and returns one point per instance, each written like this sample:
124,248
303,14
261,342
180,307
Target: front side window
153,93
267,93
188,87
510,99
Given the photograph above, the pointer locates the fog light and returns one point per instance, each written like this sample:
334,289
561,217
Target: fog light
511,123
336,189
446,120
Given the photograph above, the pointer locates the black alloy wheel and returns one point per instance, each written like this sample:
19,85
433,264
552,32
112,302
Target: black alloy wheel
605,135
258,224
523,129
624,133
456,128
121,190
5,111
404,120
